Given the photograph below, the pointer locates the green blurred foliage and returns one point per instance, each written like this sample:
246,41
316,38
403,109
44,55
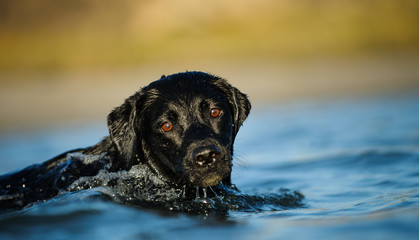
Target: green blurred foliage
51,35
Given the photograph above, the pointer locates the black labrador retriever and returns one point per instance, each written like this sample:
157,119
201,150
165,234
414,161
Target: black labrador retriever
182,127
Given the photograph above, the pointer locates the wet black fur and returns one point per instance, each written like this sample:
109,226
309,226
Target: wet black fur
135,137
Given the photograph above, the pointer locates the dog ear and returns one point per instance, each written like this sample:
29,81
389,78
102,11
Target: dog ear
122,130
239,103
240,107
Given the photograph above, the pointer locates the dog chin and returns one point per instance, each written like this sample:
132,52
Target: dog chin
209,180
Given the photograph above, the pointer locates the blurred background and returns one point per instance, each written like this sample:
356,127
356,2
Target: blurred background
66,62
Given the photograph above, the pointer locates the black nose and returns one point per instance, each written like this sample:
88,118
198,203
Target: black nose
205,156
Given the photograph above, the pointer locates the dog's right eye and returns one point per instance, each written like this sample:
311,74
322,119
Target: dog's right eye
167,127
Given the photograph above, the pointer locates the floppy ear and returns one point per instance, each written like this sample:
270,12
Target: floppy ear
121,124
239,103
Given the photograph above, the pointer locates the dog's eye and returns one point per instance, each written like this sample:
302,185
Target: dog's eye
215,112
167,127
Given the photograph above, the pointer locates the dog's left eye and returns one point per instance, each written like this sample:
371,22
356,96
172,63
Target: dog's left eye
167,127
215,112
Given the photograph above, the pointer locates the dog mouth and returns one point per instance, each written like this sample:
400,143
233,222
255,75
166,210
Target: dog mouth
208,180
207,176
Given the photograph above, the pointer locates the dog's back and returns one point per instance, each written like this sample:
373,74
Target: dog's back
43,181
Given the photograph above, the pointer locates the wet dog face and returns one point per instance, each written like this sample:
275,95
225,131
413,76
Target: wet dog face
191,134
183,125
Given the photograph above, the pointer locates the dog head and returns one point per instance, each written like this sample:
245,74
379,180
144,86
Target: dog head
183,126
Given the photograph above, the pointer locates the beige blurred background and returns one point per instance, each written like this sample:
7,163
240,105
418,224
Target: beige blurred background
73,61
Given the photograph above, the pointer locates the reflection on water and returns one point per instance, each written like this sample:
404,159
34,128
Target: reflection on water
356,161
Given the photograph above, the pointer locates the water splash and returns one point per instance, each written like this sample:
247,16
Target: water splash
141,187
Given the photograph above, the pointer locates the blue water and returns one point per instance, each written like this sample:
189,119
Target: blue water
356,161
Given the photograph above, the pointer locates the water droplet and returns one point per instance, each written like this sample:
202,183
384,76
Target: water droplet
184,191
205,192
197,194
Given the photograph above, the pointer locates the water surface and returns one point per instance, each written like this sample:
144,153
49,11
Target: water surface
356,161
